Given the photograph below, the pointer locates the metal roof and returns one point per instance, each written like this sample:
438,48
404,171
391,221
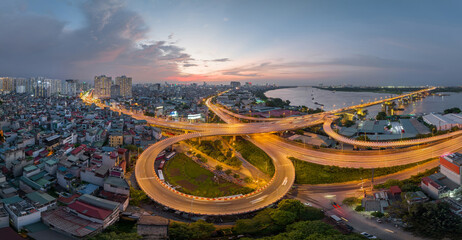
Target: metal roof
99,202
41,198
115,181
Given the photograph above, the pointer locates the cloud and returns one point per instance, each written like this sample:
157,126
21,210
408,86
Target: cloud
297,67
220,60
189,65
217,60
240,74
106,44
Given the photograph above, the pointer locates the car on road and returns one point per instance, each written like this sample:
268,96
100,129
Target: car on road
369,236
336,218
379,221
308,204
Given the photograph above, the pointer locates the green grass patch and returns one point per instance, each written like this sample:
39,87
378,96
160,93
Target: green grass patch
254,155
217,151
410,184
311,173
198,181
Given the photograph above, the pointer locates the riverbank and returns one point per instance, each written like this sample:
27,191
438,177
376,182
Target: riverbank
389,90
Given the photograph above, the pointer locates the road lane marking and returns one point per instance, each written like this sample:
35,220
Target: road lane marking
284,182
256,194
258,199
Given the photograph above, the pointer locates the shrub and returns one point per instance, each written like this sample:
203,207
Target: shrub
351,201
377,214
359,208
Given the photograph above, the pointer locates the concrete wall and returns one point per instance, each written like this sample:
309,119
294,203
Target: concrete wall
450,174
113,189
89,176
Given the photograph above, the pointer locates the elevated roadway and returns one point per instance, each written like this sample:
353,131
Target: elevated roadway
360,159
327,127
158,191
353,159
363,105
278,186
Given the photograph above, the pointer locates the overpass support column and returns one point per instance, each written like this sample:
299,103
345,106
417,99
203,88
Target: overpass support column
234,138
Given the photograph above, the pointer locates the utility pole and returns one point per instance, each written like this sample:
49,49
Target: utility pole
372,179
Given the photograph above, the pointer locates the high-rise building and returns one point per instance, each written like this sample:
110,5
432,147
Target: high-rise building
235,84
45,87
71,87
21,85
115,91
84,86
125,84
103,86
7,84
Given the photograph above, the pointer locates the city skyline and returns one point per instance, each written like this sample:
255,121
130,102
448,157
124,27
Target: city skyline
302,43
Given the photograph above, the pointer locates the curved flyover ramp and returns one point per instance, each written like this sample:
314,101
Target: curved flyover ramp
158,191
360,159
404,143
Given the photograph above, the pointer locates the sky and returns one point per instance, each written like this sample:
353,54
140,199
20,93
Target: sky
394,42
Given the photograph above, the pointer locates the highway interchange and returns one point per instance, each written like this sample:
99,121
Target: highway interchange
275,147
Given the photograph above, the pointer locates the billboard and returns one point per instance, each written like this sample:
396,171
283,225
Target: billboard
194,116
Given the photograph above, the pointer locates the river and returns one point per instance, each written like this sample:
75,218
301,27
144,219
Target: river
308,96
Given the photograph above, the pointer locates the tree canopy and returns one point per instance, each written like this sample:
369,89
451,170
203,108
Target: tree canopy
197,230
381,116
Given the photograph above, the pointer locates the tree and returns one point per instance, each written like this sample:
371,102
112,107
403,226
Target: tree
381,116
292,205
351,201
434,220
452,110
301,211
359,208
363,138
283,218
131,147
117,236
377,214
201,229
347,123
307,228
228,171
179,231
311,213
218,167
246,226
137,196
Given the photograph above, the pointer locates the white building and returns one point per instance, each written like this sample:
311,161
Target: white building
443,122
21,212
451,166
